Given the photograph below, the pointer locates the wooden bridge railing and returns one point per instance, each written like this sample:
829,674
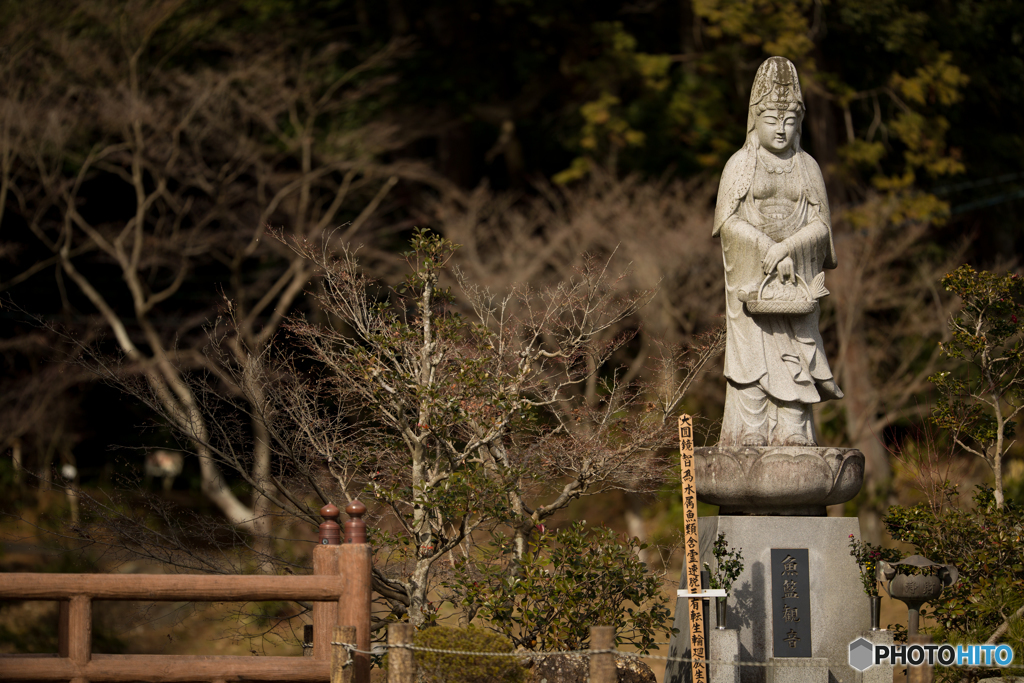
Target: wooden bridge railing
340,589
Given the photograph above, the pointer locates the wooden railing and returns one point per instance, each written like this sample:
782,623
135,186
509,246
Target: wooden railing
340,589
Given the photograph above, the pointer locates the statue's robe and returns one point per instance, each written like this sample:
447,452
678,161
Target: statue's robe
783,354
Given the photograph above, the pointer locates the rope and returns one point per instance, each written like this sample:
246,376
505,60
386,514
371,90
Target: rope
782,662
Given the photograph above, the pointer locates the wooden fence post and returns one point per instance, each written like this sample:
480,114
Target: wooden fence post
340,656
325,563
602,666
74,631
401,663
357,573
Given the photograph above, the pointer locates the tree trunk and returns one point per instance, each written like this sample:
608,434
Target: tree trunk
635,522
262,526
821,128
418,592
182,406
16,460
997,471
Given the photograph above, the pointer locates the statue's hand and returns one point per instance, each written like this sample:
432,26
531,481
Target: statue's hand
786,270
776,253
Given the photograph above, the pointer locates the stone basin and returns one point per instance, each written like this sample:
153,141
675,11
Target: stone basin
777,480
915,589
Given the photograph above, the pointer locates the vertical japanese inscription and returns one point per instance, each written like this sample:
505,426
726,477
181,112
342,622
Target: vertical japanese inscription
791,602
692,547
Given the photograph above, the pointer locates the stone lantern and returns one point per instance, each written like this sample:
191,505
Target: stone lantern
917,589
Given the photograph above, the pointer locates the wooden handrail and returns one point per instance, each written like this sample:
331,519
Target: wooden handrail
164,668
340,590
168,587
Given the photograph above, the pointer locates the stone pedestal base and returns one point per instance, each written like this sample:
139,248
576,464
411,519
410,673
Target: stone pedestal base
839,608
724,646
813,670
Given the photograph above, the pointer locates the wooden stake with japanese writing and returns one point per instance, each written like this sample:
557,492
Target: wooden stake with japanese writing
691,546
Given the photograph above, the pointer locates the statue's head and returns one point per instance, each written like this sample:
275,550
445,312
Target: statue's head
776,106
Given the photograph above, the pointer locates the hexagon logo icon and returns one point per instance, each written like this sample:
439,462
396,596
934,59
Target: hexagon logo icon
862,654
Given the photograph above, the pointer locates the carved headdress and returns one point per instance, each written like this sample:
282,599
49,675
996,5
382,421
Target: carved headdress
776,81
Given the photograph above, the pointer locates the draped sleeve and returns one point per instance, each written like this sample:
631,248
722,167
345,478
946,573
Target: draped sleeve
815,185
736,179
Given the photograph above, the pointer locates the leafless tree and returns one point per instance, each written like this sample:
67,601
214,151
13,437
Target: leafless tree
473,418
452,422
200,158
886,315
657,232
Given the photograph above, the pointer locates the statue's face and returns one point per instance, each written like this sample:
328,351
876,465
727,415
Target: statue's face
776,129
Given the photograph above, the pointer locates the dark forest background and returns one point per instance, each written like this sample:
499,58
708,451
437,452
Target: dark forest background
155,157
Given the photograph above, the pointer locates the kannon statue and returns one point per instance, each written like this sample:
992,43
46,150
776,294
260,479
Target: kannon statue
773,219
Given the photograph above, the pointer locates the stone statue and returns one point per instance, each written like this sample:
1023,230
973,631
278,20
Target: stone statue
768,476
773,220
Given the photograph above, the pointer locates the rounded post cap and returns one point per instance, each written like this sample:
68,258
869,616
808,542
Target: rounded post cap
330,530
355,527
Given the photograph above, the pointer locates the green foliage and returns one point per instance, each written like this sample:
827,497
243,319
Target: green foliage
986,545
607,126
728,564
579,79
989,317
440,668
868,556
779,28
566,582
981,401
